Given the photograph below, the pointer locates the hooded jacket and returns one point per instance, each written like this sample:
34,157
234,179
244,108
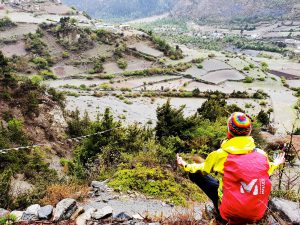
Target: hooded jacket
214,163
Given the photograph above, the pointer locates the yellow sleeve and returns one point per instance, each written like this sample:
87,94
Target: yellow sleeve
206,167
272,168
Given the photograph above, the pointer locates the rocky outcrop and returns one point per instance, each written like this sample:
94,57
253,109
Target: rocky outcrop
290,211
68,211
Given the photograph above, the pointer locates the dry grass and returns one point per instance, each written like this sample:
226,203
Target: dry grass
58,192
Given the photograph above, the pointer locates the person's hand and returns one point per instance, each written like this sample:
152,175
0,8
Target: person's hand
279,159
180,161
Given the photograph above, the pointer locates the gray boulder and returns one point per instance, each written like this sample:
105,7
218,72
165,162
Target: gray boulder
98,187
3,212
83,218
105,212
123,216
33,209
44,213
289,211
64,209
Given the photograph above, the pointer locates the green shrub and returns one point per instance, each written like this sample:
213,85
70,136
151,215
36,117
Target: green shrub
15,132
198,60
122,63
248,79
6,23
40,62
157,182
246,68
47,74
65,55
200,66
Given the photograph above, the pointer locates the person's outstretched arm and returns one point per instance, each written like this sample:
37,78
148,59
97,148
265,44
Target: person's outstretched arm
205,167
279,160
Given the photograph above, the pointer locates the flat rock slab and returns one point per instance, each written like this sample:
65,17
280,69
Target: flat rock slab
288,210
102,213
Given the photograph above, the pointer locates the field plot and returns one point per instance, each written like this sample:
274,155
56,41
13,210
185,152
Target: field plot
75,82
282,100
294,83
67,71
134,64
237,63
144,48
140,111
99,50
214,65
218,77
17,49
57,9
251,107
195,72
138,82
169,85
19,31
205,87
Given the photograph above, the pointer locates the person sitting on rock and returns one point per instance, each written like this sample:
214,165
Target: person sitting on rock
242,188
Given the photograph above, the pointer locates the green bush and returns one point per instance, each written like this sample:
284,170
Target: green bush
157,182
122,63
200,66
246,68
40,62
248,79
16,133
6,23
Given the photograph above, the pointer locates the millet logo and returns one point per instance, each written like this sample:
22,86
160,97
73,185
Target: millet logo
252,187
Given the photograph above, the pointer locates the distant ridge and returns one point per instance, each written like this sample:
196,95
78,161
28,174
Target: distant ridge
227,10
122,9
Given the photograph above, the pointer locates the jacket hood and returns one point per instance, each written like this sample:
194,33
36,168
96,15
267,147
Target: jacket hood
238,145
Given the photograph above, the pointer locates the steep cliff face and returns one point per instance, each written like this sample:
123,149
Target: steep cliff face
126,9
218,10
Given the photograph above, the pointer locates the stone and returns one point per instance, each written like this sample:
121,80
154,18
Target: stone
137,217
102,213
33,210
123,216
45,212
288,210
64,209
100,186
29,217
271,220
153,223
17,214
77,213
83,218
3,212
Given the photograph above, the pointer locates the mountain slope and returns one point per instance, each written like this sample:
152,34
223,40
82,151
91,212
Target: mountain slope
216,10
125,9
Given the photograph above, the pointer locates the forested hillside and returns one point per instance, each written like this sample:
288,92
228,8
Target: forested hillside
215,10
126,9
